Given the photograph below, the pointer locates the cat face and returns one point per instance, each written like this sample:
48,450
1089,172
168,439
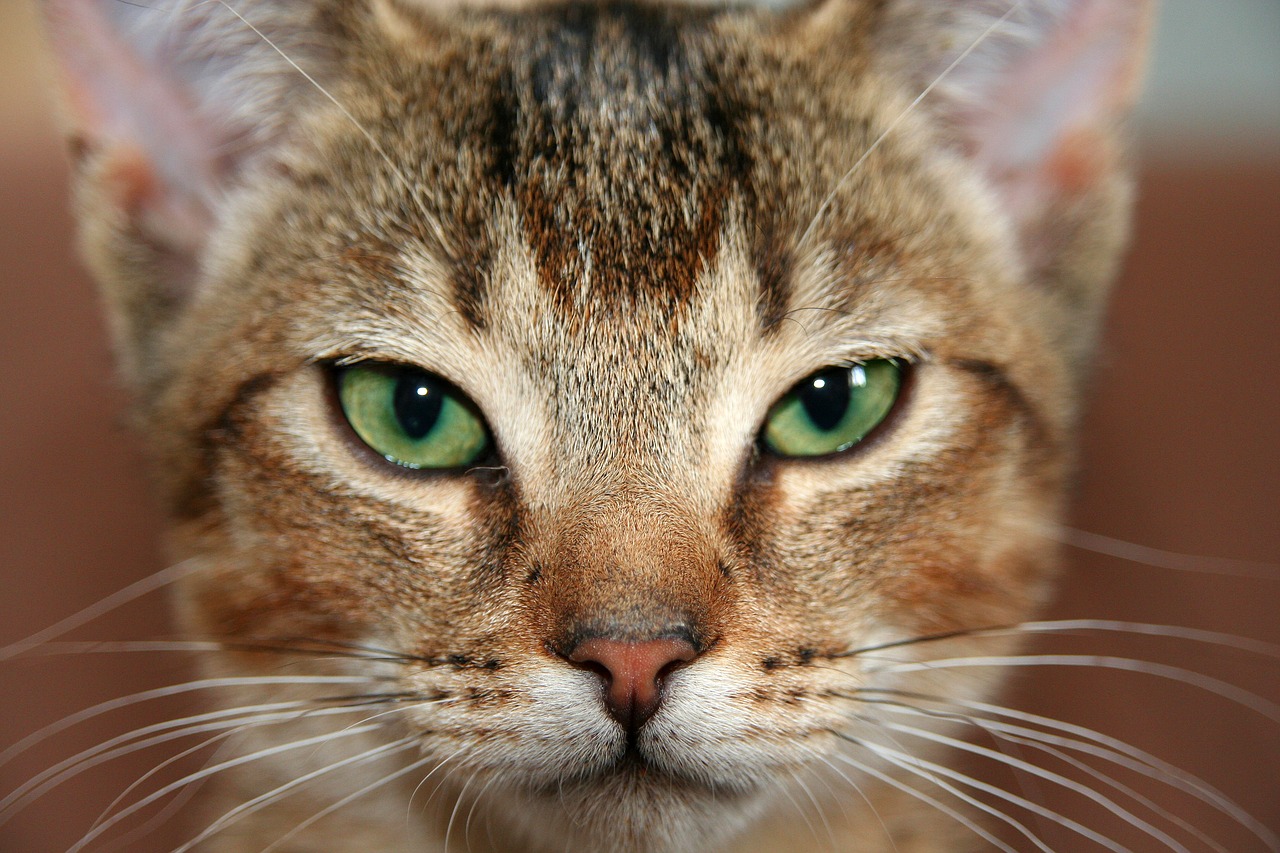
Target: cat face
619,241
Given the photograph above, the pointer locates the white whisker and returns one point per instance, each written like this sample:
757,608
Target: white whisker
471,812
804,816
88,837
1041,741
332,807
67,722
408,810
133,591
1216,686
453,814
857,789
908,762
410,705
1110,749
270,797
1144,555
69,768
1150,629
1109,781
108,745
817,807
222,737
230,730
92,647
130,839
974,827
1047,775
920,770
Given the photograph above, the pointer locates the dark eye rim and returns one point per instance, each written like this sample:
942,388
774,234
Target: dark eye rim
766,456
334,370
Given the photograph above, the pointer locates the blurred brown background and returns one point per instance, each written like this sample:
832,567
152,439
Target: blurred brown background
1181,451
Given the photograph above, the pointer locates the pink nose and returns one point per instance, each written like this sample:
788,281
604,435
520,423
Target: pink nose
632,672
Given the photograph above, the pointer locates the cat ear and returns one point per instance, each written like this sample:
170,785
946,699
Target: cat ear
1034,92
171,105
177,97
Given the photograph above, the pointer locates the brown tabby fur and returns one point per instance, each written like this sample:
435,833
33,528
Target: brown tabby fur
595,220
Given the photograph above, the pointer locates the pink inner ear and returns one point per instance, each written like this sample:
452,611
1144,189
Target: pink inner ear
1045,120
1076,163
131,185
160,154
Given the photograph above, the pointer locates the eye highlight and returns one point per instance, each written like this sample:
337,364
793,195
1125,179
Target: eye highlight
411,418
833,409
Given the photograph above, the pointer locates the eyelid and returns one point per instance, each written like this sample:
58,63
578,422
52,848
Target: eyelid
381,460
901,402
357,353
905,350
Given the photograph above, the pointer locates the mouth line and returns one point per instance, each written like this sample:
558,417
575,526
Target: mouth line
633,762
631,768
629,764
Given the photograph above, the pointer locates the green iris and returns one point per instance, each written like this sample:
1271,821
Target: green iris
833,409
410,417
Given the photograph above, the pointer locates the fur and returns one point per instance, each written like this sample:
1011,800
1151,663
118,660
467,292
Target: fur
624,231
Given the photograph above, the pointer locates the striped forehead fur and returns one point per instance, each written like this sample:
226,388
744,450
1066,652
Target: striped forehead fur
620,142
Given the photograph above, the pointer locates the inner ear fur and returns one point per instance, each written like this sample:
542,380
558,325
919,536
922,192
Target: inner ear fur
172,106
1034,95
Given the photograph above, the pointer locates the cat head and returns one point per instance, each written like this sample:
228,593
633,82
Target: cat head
625,369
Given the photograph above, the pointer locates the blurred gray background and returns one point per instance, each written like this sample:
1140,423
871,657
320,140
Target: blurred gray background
1214,90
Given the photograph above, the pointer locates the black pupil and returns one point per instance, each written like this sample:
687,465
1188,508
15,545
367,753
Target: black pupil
417,403
826,398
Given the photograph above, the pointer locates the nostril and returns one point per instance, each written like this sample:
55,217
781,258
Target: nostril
674,665
594,666
632,672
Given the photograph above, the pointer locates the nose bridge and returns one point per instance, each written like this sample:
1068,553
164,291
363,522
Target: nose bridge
631,565
625,401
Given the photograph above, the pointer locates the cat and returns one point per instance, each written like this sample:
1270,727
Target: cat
757,340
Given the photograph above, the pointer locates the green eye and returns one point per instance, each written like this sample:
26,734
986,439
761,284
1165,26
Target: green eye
411,418
833,409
